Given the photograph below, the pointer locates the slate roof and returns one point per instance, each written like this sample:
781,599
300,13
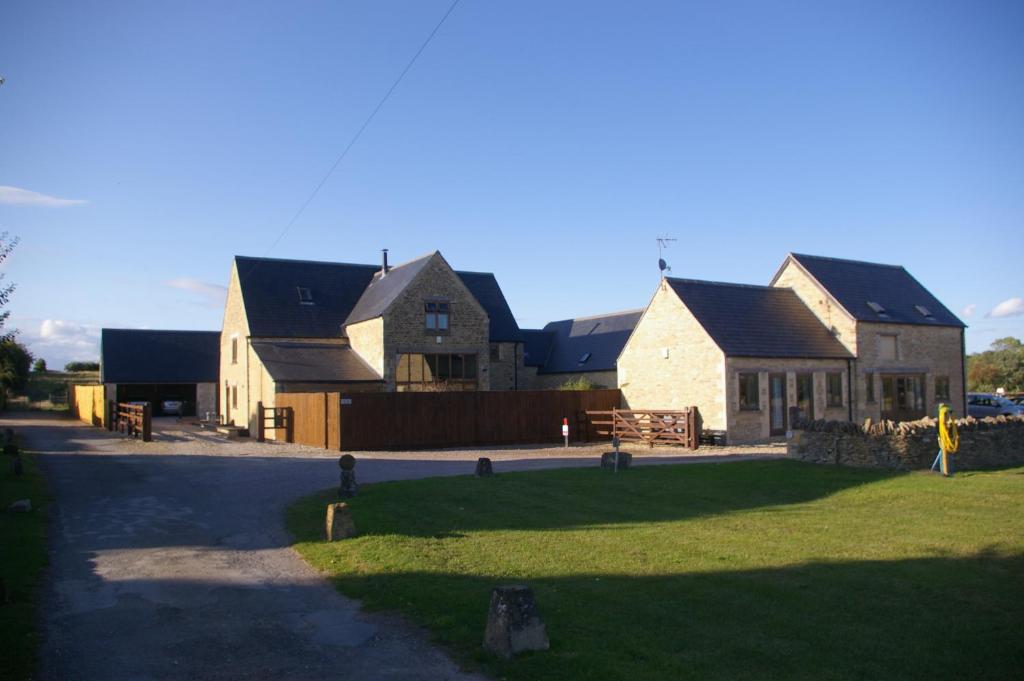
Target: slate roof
313,362
148,356
536,346
570,340
853,283
382,291
757,321
270,295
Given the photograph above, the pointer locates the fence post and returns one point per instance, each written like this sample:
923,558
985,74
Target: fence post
260,423
289,428
111,415
147,422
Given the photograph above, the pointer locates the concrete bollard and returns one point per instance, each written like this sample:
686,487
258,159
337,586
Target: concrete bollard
513,623
339,523
483,467
347,487
608,460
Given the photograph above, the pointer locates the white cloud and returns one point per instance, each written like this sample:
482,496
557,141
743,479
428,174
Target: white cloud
24,197
212,295
1012,307
60,341
969,310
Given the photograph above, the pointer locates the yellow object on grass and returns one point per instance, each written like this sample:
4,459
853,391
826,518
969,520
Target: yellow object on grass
949,438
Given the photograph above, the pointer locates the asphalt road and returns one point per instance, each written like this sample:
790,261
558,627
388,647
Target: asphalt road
171,561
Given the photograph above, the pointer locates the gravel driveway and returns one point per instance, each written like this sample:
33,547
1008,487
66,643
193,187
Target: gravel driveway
170,560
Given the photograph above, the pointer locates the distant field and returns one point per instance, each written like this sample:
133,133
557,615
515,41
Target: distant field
42,386
753,570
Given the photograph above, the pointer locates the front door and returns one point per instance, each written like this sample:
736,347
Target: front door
805,396
777,403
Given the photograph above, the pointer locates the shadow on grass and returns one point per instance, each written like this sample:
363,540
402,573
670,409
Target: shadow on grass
927,618
581,497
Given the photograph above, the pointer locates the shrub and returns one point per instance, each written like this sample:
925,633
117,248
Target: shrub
82,366
39,366
580,383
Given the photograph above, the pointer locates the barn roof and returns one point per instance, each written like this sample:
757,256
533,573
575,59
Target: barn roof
580,344
271,295
313,362
757,321
871,292
150,356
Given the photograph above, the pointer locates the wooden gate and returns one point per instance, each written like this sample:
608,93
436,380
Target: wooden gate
650,425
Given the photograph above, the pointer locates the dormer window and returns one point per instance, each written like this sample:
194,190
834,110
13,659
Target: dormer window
437,316
584,357
305,296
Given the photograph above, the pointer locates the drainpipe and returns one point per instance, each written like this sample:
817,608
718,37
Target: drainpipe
963,367
849,390
515,366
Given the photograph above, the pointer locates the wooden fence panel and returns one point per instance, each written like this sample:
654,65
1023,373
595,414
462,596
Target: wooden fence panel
465,419
88,404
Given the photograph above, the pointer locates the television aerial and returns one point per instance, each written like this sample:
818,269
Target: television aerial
663,243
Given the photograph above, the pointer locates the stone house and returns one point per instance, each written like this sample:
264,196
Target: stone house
574,349
837,339
302,326
908,348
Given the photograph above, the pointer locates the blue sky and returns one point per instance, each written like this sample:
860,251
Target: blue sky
549,143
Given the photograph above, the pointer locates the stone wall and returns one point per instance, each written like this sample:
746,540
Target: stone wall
912,445
826,308
235,374
508,372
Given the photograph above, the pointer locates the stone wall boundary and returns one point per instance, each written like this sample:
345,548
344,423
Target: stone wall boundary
993,442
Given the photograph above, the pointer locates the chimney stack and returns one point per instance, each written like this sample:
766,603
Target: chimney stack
384,265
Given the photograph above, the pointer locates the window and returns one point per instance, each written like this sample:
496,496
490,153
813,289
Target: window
234,397
869,387
495,352
584,357
942,388
234,351
305,296
887,347
925,312
420,372
834,384
805,395
750,390
437,316
902,396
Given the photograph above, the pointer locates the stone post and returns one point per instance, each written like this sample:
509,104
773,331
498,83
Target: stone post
348,488
339,524
483,467
513,623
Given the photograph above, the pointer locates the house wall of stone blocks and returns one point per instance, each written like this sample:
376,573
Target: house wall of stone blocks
670,362
404,330
755,425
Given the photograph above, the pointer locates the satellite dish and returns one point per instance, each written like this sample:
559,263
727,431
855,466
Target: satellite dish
662,265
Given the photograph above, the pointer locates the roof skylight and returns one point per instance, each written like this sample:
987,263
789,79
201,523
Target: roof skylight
925,312
584,357
305,296
876,307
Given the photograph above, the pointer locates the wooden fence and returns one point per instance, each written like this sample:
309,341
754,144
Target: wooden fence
650,426
381,421
87,404
131,418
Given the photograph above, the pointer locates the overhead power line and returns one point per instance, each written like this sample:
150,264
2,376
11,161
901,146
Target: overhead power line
362,128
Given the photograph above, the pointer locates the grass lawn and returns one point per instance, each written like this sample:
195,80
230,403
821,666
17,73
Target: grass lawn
753,570
22,559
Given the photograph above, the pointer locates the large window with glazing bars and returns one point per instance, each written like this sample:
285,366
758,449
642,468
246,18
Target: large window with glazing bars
425,372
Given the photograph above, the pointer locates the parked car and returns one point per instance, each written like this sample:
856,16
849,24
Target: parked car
980,405
171,407
1017,399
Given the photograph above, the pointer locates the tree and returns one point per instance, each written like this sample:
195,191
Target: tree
1001,366
15,361
39,366
82,366
7,244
